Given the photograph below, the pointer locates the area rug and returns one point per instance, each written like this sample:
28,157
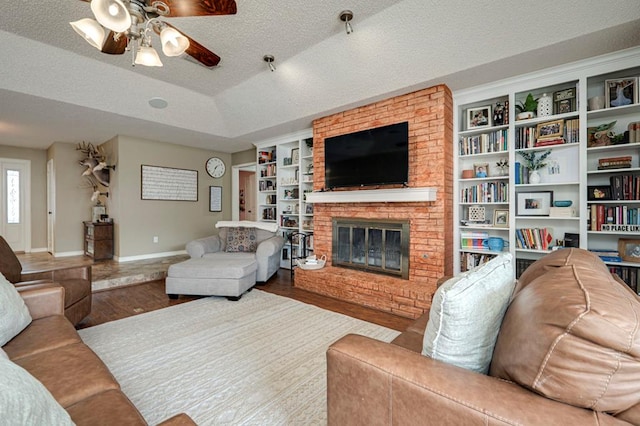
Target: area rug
258,361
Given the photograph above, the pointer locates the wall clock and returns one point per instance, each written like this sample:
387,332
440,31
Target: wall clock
215,167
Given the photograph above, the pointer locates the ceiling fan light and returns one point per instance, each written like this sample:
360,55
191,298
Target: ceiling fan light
148,57
173,43
91,31
113,14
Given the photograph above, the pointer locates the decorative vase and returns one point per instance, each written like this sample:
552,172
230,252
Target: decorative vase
545,106
534,176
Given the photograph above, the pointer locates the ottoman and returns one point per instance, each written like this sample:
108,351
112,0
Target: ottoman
208,277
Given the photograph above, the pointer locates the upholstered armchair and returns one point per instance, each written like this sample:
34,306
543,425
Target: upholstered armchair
76,282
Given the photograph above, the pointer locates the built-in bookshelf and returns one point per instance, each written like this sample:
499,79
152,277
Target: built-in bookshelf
285,176
588,192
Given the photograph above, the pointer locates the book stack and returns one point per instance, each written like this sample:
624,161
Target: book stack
473,239
562,211
550,141
614,163
607,255
634,131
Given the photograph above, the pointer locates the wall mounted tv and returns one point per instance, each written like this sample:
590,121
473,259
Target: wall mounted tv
377,156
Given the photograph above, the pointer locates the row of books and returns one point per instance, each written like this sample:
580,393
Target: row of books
271,199
522,265
269,213
625,187
486,192
607,217
527,137
471,260
521,173
634,131
266,185
629,275
486,142
473,239
534,238
268,171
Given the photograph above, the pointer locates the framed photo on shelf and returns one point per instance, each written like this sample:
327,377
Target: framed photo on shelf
598,193
501,218
620,92
481,170
629,249
295,155
550,129
564,101
536,203
479,117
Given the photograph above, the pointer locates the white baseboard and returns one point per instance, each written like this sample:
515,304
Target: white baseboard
38,250
148,256
68,253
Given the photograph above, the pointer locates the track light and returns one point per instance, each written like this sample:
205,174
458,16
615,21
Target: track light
269,60
346,16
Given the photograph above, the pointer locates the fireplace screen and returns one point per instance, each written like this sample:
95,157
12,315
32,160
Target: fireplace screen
374,246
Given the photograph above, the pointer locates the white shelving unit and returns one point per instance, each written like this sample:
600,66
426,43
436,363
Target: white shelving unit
282,194
572,168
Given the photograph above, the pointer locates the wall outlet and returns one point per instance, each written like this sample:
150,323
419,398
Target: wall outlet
155,239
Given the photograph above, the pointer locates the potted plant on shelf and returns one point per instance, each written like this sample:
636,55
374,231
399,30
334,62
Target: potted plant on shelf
534,163
527,109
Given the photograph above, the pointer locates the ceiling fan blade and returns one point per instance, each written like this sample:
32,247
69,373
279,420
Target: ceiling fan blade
198,52
198,7
114,45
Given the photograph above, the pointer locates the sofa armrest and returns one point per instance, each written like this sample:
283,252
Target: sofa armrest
62,274
270,246
371,382
43,299
178,420
197,248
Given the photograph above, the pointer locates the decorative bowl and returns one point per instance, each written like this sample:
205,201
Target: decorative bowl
562,203
310,266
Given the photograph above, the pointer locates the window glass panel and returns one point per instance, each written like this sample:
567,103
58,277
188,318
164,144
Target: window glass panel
13,196
375,247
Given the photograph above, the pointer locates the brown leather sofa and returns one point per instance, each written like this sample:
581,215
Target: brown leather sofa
376,383
75,280
51,350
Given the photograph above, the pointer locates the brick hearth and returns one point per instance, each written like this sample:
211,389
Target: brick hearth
430,116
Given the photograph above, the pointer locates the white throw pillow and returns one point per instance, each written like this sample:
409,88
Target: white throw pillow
14,314
466,314
25,401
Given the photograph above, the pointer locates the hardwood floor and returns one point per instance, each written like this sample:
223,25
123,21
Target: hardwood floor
122,302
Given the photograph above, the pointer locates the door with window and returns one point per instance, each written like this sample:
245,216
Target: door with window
15,215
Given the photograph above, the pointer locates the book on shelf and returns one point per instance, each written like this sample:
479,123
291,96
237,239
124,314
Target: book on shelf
534,238
614,160
628,274
550,142
634,131
615,166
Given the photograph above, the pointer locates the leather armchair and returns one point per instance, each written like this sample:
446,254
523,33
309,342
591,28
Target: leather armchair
76,282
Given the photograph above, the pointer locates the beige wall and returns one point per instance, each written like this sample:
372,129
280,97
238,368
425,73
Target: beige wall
173,222
72,198
38,159
244,157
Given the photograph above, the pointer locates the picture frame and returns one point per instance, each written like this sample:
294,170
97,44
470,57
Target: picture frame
479,117
620,92
215,198
481,170
295,155
564,101
534,203
501,218
550,129
629,249
598,193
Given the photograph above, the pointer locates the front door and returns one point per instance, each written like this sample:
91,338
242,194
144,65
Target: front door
15,215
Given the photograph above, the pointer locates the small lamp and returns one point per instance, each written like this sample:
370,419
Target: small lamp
173,43
90,30
113,14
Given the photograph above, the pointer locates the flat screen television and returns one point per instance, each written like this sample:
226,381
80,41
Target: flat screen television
377,156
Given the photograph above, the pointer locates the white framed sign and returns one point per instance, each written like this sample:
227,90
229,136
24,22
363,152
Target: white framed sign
215,198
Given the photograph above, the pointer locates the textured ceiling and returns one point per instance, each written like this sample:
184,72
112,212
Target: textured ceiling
55,87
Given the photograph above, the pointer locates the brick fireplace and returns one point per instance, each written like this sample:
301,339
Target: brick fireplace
430,116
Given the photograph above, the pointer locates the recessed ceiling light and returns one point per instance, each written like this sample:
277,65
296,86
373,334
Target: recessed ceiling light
158,103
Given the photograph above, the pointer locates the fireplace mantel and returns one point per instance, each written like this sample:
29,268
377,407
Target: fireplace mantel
395,195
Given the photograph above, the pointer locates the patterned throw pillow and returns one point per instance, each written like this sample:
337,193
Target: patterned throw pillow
241,240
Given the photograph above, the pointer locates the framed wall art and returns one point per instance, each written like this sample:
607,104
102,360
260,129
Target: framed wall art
215,198
168,183
501,218
550,129
481,170
536,203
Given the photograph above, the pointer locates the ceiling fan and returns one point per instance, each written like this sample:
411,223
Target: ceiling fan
122,25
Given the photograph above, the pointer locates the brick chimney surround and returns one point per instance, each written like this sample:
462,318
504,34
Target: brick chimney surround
430,116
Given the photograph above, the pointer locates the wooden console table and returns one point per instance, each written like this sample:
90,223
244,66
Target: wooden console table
98,240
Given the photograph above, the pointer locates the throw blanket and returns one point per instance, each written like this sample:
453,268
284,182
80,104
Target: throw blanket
267,226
